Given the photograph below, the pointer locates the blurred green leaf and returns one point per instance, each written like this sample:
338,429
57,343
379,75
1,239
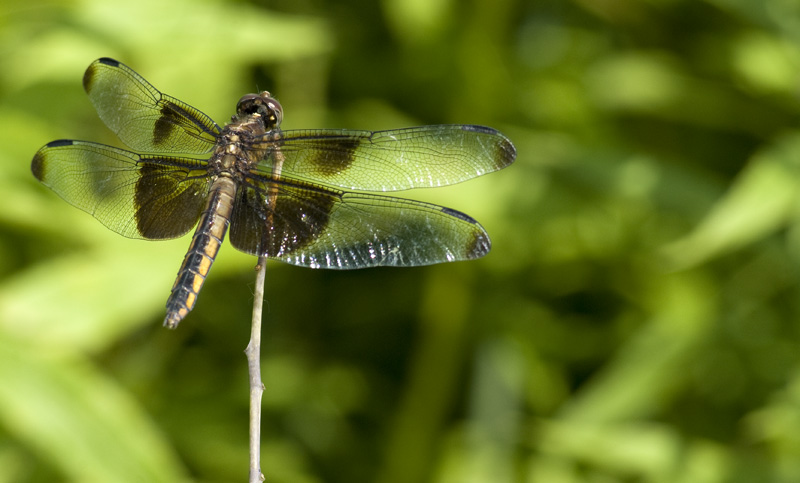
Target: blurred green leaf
758,203
79,419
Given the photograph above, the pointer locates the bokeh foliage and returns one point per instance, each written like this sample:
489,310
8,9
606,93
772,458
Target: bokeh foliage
637,320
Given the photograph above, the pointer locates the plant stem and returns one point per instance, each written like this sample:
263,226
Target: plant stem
253,352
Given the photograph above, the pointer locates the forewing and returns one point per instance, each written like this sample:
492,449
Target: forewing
417,157
144,118
151,197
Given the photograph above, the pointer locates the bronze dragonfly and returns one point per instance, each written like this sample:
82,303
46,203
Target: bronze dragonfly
285,194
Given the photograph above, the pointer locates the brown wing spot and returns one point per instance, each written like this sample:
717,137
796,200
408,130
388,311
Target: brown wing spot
479,245
506,153
338,158
169,121
149,188
91,73
162,202
299,217
298,222
88,77
38,165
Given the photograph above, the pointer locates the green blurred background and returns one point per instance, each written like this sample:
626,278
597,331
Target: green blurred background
638,319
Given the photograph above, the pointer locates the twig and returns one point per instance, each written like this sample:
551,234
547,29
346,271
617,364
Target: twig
253,352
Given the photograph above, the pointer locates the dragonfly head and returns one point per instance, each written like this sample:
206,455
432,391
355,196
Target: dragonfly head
263,105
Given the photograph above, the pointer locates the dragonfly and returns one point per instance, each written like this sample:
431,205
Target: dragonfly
308,197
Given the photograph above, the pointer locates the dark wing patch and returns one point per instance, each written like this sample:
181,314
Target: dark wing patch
336,159
298,217
165,126
167,199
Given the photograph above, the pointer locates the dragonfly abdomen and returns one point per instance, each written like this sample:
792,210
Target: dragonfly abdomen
205,245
